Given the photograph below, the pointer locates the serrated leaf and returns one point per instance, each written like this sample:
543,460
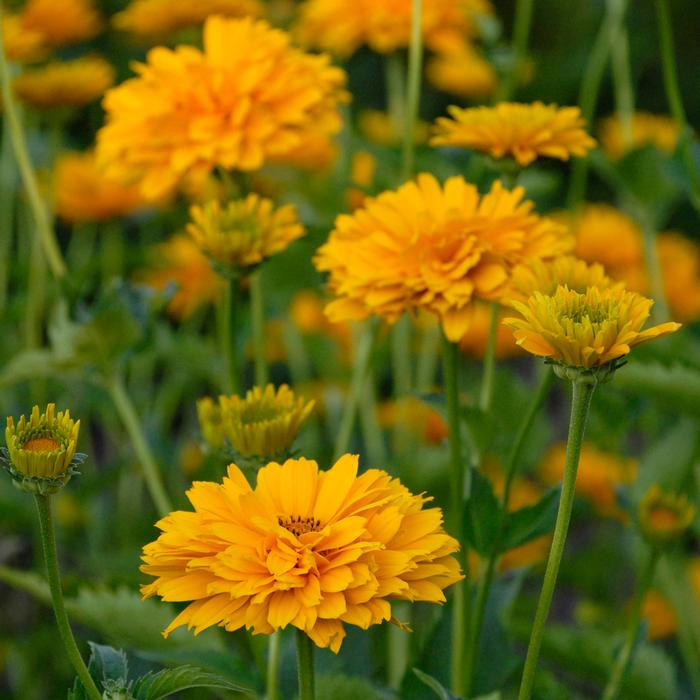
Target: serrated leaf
531,522
435,685
154,686
109,663
482,514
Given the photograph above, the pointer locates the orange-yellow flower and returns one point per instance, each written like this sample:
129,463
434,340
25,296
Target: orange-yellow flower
679,259
84,194
247,98
657,129
475,340
464,73
150,19
420,418
62,22
306,548
65,83
585,330
22,45
664,516
378,127
522,131
432,247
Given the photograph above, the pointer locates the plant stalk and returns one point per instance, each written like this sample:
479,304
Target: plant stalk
305,666
257,310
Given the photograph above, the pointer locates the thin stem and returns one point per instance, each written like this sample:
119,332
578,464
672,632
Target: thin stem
413,86
486,395
19,143
651,255
48,541
521,34
622,81
273,666
229,348
7,209
402,379
371,431
305,666
624,658
675,101
127,413
428,358
580,403
689,655
257,311
394,84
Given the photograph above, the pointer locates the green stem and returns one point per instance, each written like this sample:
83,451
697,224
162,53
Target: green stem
112,251
675,101
622,82
127,413
521,35
19,143
8,179
371,432
257,311
36,291
689,655
486,395
415,69
624,658
273,666
580,403
394,84
305,666
229,348
48,541
428,358
656,279
357,385
402,381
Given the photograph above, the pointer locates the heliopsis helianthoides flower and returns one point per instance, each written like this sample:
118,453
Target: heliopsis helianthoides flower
242,233
40,454
264,423
420,418
475,340
308,548
585,333
83,193
679,259
663,516
62,22
464,73
248,98
657,129
151,19
65,83
22,45
432,247
342,26
523,132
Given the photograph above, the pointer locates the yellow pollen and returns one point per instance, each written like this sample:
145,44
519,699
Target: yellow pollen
298,525
42,444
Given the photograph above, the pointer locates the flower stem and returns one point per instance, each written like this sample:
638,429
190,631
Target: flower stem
580,403
486,395
521,34
651,255
402,380
273,666
428,358
127,412
228,345
622,82
624,658
415,70
8,208
257,311
305,666
48,541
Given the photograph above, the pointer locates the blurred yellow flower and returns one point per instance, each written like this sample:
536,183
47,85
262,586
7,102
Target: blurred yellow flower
306,548
474,341
306,313
65,83
316,151
420,418
657,129
432,247
679,258
664,516
522,131
247,98
464,73
22,45
379,128
152,19
62,22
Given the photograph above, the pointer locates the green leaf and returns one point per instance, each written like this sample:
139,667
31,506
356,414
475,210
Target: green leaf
435,685
153,686
531,522
109,663
341,687
482,514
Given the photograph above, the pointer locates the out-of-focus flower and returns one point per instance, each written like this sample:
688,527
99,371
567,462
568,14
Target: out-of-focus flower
420,418
316,151
475,340
464,73
522,131
664,516
432,247
65,83
179,261
599,473
62,22
679,259
306,313
153,19
84,194
191,457
660,130
244,232
379,128
362,171
249,97
22,45
306,548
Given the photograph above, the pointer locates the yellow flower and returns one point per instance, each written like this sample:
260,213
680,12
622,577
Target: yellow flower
65,83
599,474
245,232
179,261
306,313
84,194
22,45
464,73
40,453
664,516
522,131
679,258
585,330
150,19
420,418
342,26
660,130
62,22
263,424
432,247
247,98
316,151
306,548
378,127
475,340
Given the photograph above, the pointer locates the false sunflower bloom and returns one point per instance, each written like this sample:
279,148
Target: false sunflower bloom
308,548
432,247
522,131
588,330
244,232
660,130
62,22
464,73
244,100
22,45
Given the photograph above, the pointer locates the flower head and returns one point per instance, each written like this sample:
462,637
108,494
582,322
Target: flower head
244,232
464,73
588,330
40,453
475,341
22,45
62,22
248,98
679,258
522,131
657,129
306,548
263,424
663,516
432,247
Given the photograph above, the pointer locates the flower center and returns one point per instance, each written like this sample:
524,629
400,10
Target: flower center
41,444
298,525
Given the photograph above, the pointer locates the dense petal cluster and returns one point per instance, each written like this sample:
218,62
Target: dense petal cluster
432,247
660,130
586,330
306,548
464,73
249,97
522,131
